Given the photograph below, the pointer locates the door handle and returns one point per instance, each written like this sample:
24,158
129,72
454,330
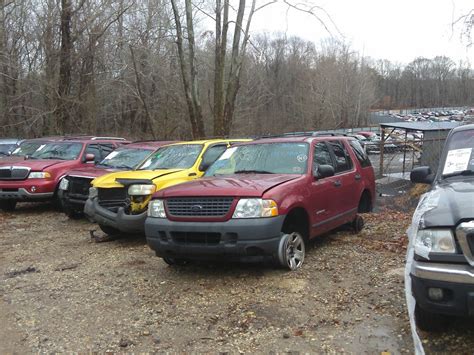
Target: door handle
337,183
357,177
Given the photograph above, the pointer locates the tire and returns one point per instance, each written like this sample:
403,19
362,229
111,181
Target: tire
365,204
175,261
357,224
8,205
113,232
291,251
72,214
430,322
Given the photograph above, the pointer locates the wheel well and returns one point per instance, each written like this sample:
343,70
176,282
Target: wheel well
365,202
298,220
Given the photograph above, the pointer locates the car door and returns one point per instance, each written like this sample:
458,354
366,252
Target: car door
346,179
324,192
93,149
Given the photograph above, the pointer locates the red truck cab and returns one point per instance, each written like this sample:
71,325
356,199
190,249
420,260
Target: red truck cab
264,199
37,178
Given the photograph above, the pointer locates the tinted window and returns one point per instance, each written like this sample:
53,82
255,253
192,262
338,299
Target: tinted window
343,161
360,154
61,151
179,156
322,156
106,149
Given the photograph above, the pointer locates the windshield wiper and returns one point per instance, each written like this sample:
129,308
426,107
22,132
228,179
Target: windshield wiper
123,166
252,172
466,172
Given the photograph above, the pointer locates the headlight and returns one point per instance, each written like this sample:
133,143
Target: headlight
141,190
255,208
93,192
434,241
39,175
156,208
64,184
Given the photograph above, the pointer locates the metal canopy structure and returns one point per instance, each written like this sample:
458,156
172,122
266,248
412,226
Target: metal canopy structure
427,128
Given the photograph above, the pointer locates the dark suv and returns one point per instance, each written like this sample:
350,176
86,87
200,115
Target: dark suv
442,269
264,200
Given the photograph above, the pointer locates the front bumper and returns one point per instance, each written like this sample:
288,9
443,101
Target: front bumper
456,280
72,202
123,222
235,239
24,191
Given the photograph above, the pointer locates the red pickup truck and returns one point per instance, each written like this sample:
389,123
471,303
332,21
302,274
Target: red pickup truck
37,178
264,199
74,187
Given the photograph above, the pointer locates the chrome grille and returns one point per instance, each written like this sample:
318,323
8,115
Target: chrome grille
199,207
465,234
111,198
14,173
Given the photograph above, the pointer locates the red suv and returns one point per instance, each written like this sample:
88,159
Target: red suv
264,199
74,187
38,177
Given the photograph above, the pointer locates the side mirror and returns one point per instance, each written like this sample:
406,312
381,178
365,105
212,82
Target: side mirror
204,165
422,175
325,171
89,157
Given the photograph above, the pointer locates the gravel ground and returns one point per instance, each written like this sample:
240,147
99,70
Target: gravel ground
62,292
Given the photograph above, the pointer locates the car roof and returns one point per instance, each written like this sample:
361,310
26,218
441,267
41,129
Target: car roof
91,139
305,139
9,140
215,140
151,145
463,128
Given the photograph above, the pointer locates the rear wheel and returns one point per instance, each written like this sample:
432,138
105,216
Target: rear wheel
291,251
357,224
175,261
365,203
111,231
430,322
8,205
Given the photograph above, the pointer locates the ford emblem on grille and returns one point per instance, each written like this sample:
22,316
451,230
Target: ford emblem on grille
196,208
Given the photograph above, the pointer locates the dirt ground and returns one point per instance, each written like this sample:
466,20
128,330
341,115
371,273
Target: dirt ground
59,291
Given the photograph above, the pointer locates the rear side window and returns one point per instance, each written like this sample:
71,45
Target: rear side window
322,156
360,154
343,160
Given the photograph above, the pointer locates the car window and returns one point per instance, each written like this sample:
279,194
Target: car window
360,154
322,156
94,149
212,153
343,160
106,149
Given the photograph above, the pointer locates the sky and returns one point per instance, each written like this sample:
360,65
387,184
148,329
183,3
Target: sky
397,30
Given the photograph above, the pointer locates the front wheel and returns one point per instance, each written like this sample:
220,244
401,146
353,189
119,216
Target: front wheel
111,231
430,322
175,261
8,205
291,251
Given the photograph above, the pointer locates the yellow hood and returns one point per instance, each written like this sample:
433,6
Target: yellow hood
109,180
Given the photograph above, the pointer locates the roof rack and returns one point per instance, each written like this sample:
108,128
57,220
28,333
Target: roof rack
304,134
108,138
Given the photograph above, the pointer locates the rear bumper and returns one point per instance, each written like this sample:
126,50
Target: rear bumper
235,239
120,220
456,280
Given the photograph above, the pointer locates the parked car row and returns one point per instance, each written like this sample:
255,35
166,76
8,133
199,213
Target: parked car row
222,198
439,115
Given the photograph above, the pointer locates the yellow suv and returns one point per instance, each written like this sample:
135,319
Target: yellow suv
118,202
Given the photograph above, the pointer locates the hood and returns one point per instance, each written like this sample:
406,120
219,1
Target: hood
91,172
251,185
454,203
109,180
36,165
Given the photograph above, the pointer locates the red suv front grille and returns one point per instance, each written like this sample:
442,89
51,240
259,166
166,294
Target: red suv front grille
199,207
13,173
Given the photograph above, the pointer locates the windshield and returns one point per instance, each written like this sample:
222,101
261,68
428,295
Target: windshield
458,157
6,149
180,156
125,158
27,148
267,158
61,151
